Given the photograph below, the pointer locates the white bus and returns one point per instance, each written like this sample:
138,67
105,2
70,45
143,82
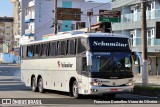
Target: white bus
81,64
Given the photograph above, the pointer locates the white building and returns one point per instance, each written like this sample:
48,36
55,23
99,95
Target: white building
39,16
19,24
131,25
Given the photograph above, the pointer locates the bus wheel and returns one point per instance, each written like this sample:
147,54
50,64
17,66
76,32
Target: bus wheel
40,85
75,90
34,86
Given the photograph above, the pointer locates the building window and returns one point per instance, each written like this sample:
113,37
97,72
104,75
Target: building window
73,27
149,33
59,27
152,31
152,5
149,6
80,25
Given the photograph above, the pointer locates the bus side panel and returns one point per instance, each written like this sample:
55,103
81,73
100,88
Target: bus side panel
85,85
55,72
25,74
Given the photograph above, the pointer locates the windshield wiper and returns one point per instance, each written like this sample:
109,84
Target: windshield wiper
105,63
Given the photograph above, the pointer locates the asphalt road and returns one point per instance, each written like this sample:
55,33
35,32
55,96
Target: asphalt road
11,87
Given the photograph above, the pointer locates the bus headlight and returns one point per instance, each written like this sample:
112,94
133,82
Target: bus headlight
95,84
129,84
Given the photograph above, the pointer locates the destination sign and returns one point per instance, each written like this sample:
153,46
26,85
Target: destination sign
108,44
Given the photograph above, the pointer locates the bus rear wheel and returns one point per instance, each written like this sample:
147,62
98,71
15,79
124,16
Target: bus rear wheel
33,85
40,85
75,90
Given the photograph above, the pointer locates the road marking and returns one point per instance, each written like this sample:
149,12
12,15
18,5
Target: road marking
140,96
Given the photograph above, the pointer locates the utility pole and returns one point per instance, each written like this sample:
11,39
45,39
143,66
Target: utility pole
55,16
144,44
89,14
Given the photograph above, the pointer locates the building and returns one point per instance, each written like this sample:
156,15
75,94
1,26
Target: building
19,23
104,27
6,34
130,25
16,23
39,16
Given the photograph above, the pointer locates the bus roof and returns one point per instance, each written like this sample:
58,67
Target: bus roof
75,35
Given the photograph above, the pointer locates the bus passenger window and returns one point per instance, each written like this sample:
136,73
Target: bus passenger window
84,64
53,47
29,51
72,47
36,50
81,45
67,47
62,47
24,50
30,54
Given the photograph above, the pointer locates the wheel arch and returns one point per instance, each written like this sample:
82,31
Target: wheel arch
33,76
72,79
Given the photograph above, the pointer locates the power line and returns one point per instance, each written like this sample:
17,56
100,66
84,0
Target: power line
96,6
44,24
48,14
41,28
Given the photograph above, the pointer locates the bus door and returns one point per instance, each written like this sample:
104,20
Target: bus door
85,75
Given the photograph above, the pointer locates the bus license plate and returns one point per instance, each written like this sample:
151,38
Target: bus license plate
113,90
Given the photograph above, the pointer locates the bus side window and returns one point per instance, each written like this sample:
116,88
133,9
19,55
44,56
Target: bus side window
53,49
75,46
62,47
40,50
58,48
29,52
24,52
44,51
33,50
36,50
67,47
84,64
48,49
81,45
72,47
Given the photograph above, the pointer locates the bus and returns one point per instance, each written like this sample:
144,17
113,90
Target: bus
79,63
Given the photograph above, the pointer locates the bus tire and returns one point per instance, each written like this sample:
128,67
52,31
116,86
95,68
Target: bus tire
75,90
40,85
34,85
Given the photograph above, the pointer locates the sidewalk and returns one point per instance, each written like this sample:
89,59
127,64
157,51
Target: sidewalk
8,64
152,79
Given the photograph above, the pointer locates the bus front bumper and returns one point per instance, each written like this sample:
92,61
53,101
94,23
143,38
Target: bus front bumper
97,90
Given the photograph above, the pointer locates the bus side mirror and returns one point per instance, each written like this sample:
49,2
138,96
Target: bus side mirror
89,58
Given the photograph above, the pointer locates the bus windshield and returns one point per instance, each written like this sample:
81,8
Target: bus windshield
111,62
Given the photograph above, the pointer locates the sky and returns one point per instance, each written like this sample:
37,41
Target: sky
6,8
